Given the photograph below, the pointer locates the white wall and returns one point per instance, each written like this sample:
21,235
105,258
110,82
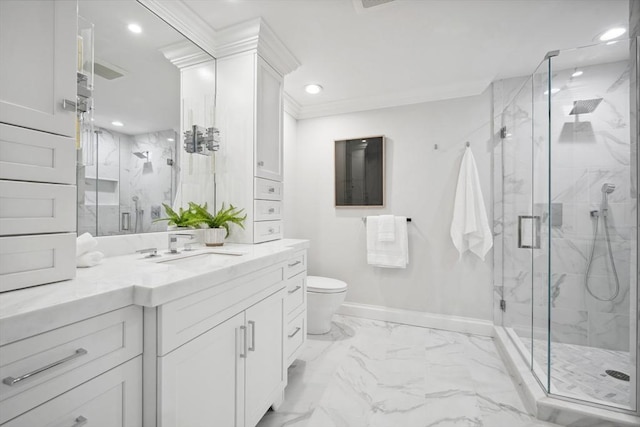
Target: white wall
420,184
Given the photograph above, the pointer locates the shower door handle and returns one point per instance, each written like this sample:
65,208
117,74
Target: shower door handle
529,231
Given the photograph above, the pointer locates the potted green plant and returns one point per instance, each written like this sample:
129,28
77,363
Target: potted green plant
219,223
184,218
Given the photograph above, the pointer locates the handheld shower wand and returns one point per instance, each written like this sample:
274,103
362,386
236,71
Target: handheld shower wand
604,208
137,209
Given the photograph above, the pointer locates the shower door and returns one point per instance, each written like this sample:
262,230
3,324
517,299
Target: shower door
569,213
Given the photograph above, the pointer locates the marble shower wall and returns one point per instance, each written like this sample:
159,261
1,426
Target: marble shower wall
586,151
120,175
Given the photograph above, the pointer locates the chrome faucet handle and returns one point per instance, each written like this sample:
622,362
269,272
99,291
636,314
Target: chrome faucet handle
153,252
173,241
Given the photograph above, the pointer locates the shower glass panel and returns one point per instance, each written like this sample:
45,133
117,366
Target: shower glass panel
569,215
592,224
539,208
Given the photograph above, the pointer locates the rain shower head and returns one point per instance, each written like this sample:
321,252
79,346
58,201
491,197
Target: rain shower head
142,155
585,106
608,188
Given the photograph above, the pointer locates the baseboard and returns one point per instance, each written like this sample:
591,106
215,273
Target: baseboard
416,318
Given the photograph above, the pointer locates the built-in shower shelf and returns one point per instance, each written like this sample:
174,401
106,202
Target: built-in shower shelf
104,191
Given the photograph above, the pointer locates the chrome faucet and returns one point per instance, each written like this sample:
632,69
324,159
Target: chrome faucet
173,241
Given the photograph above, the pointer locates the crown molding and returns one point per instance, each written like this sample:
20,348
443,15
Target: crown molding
376,102
185,20
184,54
291,106
256,35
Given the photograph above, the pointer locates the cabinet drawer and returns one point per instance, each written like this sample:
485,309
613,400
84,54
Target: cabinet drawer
34,260
296,293
296,333
186,318
266,210
65,357
29,208
267,230
296,264
267,190
29,155
113,399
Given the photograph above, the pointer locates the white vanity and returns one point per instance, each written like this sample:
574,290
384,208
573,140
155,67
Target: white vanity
190,340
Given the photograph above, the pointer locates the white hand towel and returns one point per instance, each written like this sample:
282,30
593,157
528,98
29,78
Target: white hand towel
89,259
84,243
470,227
388,254
386,228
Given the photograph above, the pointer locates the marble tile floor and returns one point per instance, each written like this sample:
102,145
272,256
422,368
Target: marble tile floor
368,373
579,371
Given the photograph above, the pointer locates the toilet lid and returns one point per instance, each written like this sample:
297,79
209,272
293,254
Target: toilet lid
325,285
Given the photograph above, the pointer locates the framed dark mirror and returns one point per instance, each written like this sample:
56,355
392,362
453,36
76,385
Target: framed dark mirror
359,171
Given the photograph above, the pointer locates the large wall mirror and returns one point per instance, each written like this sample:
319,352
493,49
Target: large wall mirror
129,142
359,171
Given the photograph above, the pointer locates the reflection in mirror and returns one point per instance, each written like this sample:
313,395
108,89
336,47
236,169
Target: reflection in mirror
129,144
359,171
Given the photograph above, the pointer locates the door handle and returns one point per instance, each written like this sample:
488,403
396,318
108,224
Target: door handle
243,329
294,290
294,333
253,335
80,421
69,105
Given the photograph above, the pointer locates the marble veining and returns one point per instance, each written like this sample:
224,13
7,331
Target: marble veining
372,373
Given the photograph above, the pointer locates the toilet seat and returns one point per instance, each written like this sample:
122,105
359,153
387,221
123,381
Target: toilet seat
325,285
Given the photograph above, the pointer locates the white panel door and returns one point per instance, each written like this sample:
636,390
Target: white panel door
200,383
38,58
268,122
264,363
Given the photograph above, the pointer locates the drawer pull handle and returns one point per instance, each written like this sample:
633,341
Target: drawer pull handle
272,190
253,335
294,264
69,105
260,163
271,230
294,333
294,290
244,345
272,210
80,421
11,380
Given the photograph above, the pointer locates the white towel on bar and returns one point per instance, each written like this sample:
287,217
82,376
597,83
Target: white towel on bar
388,254
470,228
386,228
85,243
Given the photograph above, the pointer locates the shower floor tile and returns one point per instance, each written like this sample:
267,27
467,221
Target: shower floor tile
579,371
368,373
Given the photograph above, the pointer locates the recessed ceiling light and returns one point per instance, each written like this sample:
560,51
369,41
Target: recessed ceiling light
612,34
313,89
117,123
553,90
170,139
578,73
135,28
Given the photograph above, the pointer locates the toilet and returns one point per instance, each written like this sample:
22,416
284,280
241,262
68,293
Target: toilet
324,297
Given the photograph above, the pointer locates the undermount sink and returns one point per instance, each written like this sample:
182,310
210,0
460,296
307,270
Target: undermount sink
200,259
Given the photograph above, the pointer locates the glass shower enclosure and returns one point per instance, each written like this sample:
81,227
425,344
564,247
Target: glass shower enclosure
567,210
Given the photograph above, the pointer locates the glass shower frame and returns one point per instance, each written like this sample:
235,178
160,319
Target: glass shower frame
530,125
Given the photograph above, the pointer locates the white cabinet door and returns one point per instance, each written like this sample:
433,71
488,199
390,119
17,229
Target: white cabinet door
38,58
198,383
113,399
264,363
268,122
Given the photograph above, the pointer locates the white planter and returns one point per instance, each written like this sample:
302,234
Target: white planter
214,236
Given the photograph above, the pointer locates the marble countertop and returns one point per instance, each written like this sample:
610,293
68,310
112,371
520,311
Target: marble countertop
132,279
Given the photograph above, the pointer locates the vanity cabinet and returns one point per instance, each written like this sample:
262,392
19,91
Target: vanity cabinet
38,65
219,353
38,62
91,369
249,111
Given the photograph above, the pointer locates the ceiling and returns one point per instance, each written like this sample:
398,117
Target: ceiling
409,51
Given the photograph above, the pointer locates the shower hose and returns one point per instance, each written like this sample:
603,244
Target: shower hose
613,264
